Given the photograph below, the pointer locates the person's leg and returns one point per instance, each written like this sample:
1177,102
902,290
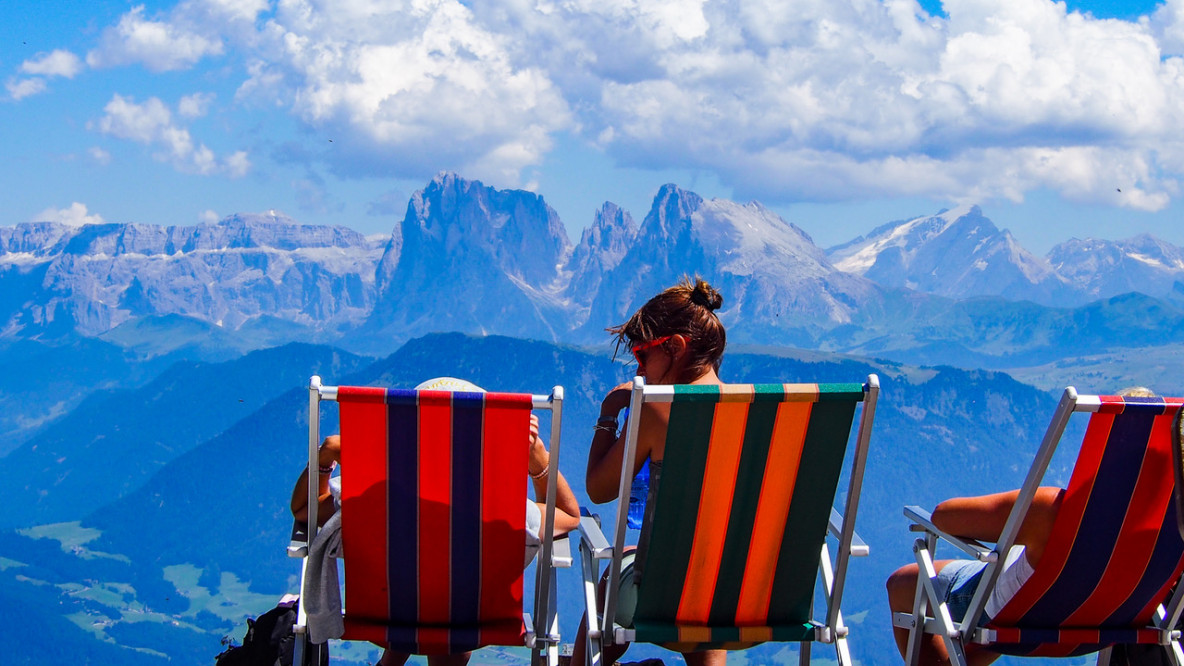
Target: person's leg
902,589
626,604
706,658
392,658
458,659
956,582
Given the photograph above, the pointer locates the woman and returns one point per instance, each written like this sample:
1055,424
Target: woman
676,338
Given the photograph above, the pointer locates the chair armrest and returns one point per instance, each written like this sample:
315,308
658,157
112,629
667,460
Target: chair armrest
593,537
298,544
858,547
922,521
561,552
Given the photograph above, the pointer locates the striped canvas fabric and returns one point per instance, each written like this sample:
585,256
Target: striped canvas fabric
1115,548
433,519
730,550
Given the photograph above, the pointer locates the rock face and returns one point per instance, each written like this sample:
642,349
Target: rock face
1102,268
473,259
93,278
470,258
958,254
772,276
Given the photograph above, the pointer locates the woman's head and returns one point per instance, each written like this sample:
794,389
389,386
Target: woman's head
681,324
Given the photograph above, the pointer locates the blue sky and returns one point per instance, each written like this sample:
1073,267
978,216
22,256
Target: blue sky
1059,119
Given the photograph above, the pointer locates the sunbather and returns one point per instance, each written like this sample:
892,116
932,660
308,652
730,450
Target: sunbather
981,518
566,508
676,338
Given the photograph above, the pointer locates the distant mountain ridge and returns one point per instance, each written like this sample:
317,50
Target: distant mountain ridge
961,254
471,258
91,279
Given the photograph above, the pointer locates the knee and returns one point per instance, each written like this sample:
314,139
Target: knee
902,587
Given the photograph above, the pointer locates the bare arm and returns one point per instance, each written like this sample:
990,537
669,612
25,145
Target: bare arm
607,453
983,518
330,454
567,509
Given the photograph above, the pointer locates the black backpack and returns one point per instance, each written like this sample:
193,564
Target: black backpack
269,641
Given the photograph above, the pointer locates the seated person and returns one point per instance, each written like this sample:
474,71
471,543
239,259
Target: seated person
567,510
676,338
981,518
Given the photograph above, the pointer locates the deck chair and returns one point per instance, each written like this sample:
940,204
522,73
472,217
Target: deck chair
1113,556
433,497
735,526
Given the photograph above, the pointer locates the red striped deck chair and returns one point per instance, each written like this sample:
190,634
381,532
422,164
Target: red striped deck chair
734,533
1113,556
433,497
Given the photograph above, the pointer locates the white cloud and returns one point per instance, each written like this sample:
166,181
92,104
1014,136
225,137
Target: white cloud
408,88
151,123
19,89
780,99
1167,23
208,217
55,63
76,216
99,155
160,45
195,105
821,99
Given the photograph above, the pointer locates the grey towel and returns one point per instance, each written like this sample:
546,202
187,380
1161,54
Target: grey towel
322,588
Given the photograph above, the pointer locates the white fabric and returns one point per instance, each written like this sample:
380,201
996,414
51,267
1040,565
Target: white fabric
1016,571
534,526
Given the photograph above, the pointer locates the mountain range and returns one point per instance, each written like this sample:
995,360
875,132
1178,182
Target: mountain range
471,258
164,569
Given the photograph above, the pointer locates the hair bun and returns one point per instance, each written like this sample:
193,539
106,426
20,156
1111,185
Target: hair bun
705,295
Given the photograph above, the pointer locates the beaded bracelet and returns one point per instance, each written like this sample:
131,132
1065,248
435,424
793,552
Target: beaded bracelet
541,474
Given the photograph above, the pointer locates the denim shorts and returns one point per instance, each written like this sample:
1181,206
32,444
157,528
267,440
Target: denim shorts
957,582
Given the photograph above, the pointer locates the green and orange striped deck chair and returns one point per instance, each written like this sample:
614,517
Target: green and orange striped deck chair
1113,556
433,527
735,528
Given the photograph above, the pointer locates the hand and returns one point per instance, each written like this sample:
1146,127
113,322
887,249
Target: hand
330,451
616,400
539,456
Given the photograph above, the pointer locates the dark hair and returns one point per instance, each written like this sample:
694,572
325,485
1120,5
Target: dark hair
687,309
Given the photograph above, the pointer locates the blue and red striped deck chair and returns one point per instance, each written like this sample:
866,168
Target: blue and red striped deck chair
1112,558
433,498
735,530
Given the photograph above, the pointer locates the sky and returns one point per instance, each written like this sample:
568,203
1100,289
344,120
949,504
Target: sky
1060,119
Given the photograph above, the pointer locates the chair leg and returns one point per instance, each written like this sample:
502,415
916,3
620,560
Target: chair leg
804,653
1175,653
552,625
842,652
593,641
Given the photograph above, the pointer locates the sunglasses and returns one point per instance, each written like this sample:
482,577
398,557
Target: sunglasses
637,349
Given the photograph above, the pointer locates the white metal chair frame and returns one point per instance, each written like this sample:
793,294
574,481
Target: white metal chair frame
956,635
594,546
542,632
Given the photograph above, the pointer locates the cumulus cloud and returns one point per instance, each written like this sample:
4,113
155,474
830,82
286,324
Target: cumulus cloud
159,45
99,155
208,216
56,63
780,99
151,123
19,89
75,216
408,88
195,105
